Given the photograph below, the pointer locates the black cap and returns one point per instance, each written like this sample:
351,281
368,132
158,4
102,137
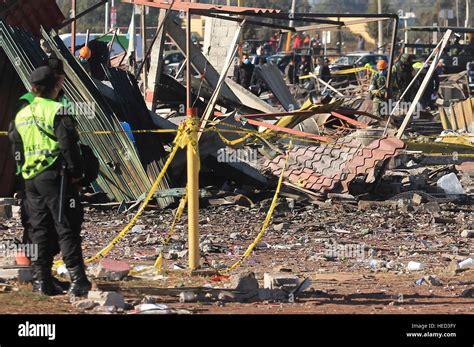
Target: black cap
43,76
56,64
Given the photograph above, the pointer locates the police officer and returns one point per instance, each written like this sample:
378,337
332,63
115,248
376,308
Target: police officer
403,73
48,140
378,87
25,100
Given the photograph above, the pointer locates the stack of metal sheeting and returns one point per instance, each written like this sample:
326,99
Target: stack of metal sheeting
122,176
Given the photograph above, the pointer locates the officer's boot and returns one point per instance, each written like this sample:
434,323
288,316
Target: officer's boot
63,286
43,280
80,285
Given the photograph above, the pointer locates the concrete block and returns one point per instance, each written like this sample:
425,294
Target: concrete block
279,280
467,233
244,282
85,304
112,270
6,211
107,298
417,199
21,275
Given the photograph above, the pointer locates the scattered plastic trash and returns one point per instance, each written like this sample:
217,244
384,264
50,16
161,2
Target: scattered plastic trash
450,184
151,307
415,266
428,280
466,263
61,270
136,229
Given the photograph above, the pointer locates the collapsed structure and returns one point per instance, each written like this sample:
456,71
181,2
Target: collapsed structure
339,147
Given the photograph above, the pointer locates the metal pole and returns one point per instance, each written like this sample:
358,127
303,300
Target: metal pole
73,28
107,13
406,34
291,24
457,13
192,161
392,54
380,25
144,61
466,24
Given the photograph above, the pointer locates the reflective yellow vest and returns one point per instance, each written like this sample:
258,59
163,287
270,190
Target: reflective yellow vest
35,124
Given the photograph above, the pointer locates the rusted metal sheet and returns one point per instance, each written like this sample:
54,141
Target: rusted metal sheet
186,6
458,116
31,15
331,167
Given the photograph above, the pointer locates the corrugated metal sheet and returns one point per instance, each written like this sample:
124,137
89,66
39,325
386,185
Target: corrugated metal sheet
333,166
459,116
274,80
122,175
185,6
31,14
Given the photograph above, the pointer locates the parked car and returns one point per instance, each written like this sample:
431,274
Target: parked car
281,60
353,60
171,62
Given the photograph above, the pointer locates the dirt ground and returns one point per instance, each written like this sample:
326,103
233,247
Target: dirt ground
356,258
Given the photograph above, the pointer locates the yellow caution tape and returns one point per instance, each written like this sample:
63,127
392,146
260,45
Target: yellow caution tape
267,219
233,142
106,250
182,204
349,71
158,266
156,131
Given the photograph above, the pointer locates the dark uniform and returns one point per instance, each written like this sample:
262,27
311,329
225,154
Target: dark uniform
48,142
379,91
25,100
257,83
245,73
403,73
324,71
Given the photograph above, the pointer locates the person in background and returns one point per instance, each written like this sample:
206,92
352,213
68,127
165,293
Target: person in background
403,73
360,43
84,55
274,40
290,71
245,72
257,84
316,45
305,66
440,67
378,88
267,48
324,71
297,41
431,91
306,40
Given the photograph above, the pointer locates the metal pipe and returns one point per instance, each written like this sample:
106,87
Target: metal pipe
107,17
73,28
392,55
144,61
466,24
380,27
192,161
